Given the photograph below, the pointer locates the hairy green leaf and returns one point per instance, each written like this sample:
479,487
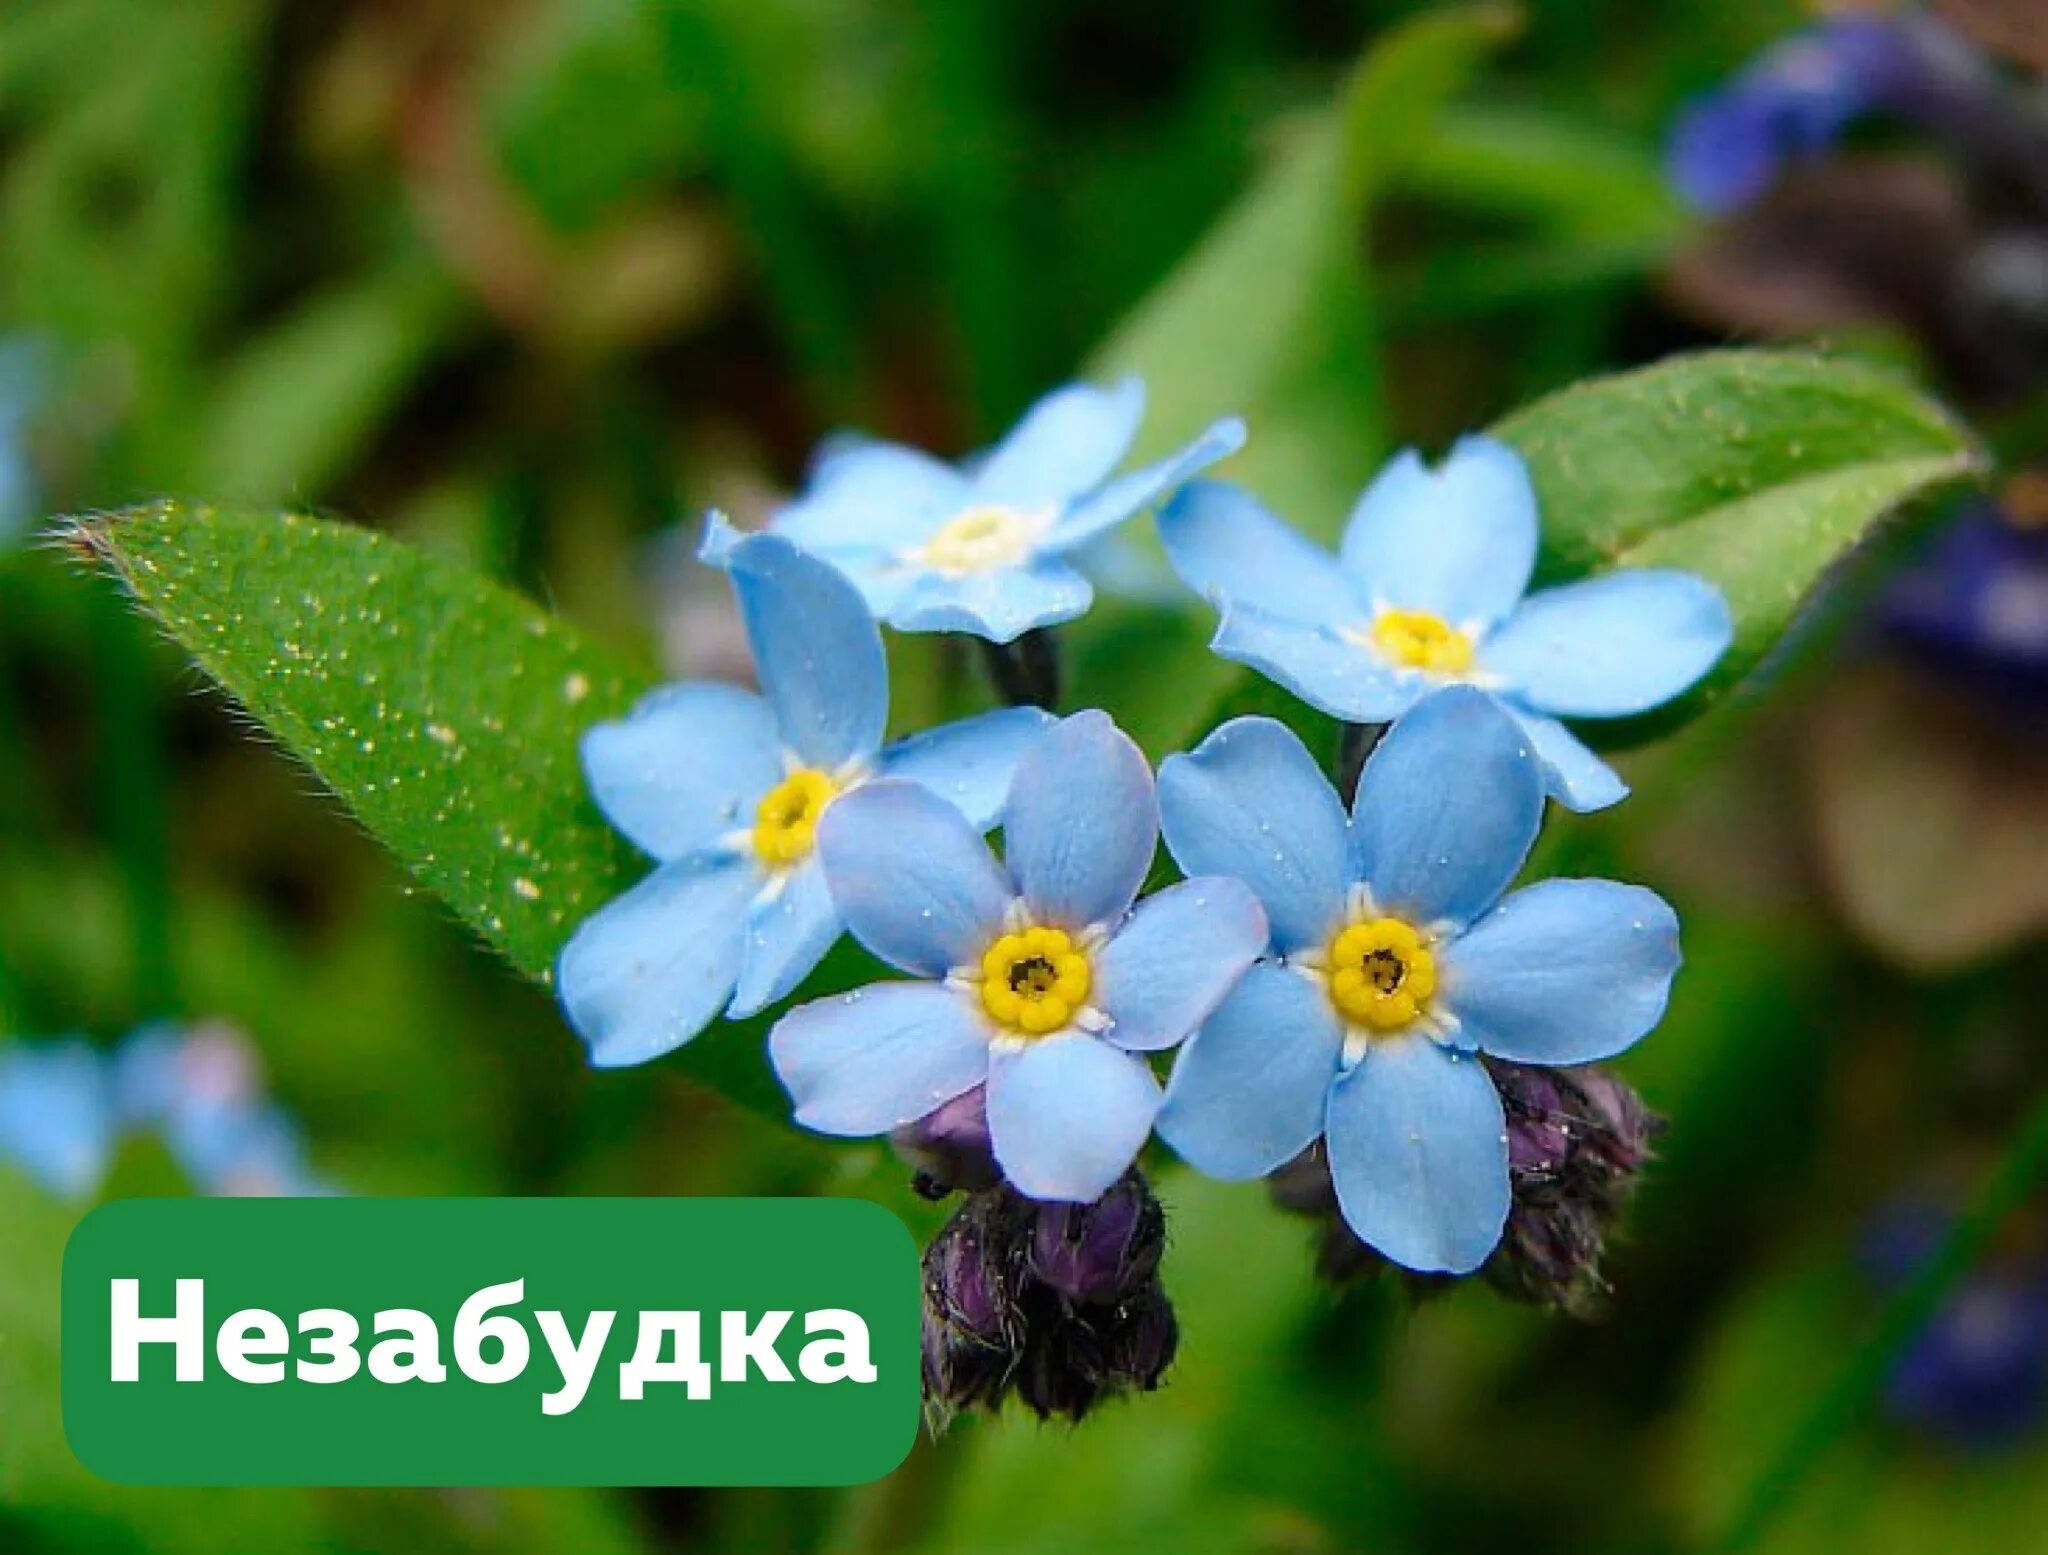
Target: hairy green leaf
442,708
1757,470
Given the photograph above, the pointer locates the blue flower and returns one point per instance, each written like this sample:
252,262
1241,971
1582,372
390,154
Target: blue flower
1793,101
724,789
984,549
1041,981
1428,590
201,1089
65,1106
1395,963
58,1122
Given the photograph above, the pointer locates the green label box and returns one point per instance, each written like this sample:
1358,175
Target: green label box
490,1341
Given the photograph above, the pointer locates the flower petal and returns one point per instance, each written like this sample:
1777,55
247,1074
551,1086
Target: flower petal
911,877
684,769
1127,494
649,970
881,576
816,647
1448,807
788,933
1418,1152
1229,548
1565,972
1251,802
1082,822
1175,959
1458,541
1248,1090
871,1060
969,764
1067,1115
1001,605
1066,443
866,494
1343,679
1609,646
1573,775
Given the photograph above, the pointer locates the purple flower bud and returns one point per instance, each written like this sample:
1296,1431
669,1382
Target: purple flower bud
949,1148
1577,1138
1099,1253
1146,1341
1059,1304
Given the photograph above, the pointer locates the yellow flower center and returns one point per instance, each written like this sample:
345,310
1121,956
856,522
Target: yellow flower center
1381,974
980,540
786,824
1035,981
1417,640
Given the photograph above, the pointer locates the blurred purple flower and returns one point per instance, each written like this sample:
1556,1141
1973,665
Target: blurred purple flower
1977,604
1977,1375
1793,102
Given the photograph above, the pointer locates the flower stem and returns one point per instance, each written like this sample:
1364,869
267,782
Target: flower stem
2022,1172
1025,673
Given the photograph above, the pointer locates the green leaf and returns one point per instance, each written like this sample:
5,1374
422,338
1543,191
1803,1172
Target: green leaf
441,708
1757,470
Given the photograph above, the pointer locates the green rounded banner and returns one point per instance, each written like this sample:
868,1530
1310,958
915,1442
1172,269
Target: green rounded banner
490,1341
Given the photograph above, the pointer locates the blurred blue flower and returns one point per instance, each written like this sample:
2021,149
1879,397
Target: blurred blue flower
201,1089
1394,965
1041,981
1978,603
985,548
66,1105
1977,1374
57,1116
724,789
1428,590
1794,101
21,379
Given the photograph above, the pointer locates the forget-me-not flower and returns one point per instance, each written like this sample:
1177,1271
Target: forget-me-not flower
985,548
1428,590
65,1106
725,788
1395,963
1040,980
201,1089
1793,101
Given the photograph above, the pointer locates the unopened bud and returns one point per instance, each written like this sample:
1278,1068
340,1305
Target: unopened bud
1057,1303
1577,1140
1101,1253
949,1147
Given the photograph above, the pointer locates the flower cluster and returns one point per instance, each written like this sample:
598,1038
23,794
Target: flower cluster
65,1107
1355,982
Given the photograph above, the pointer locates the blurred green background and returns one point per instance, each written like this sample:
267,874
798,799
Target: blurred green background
531,282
